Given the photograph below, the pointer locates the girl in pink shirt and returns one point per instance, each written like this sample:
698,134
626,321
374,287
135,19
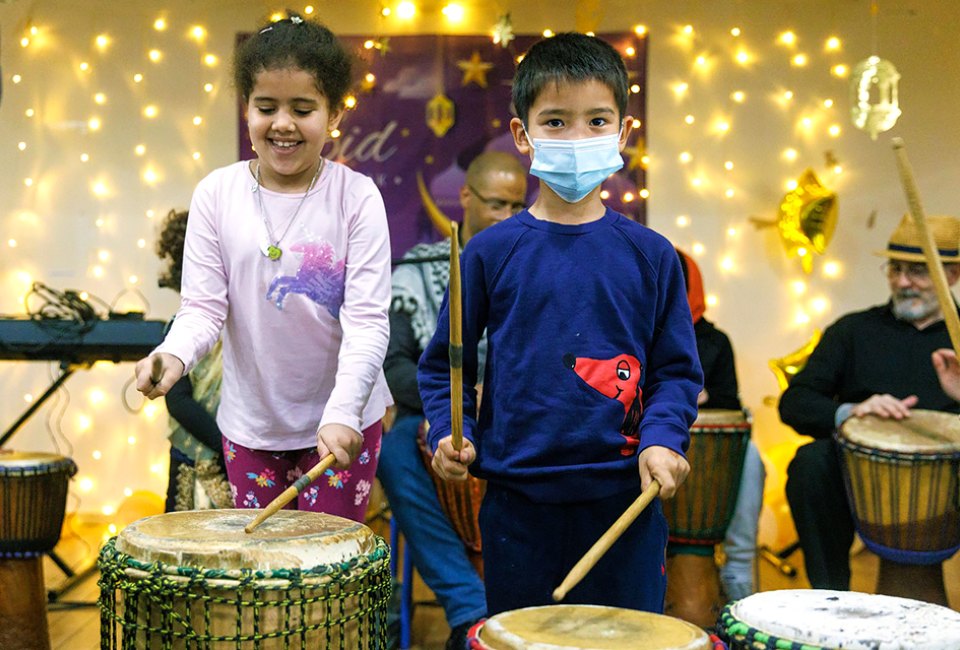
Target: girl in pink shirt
289,256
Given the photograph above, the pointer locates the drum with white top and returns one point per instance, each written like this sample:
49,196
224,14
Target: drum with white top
582,627
195,579
820,619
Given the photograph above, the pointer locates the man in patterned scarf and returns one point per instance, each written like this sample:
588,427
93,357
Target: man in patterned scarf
495,188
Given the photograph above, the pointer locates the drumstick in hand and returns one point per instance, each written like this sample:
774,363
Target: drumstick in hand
291,492
456,341
156,369
602,545
930,252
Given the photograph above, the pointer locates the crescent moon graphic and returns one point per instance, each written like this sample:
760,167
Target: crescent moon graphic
440,221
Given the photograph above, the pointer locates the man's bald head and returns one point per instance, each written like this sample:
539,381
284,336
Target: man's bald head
495,188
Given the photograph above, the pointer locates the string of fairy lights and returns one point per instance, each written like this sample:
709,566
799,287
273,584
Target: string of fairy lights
708,171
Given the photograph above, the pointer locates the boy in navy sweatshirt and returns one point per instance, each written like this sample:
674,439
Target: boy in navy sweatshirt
592,368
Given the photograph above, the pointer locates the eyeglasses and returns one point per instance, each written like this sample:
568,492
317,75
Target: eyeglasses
498,205
915,272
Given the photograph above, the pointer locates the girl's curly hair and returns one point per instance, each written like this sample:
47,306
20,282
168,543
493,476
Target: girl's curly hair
169,248
298,43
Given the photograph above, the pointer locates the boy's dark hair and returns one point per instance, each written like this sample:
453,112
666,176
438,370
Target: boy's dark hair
295,42
170,248
568,56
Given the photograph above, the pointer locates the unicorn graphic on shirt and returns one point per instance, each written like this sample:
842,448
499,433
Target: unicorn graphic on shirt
617,378
320,278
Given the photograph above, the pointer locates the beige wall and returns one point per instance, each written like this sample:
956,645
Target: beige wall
59,241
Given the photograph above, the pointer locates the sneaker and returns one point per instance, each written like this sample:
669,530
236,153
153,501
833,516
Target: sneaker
458,636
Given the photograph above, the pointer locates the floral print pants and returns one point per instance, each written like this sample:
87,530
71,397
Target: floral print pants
259,476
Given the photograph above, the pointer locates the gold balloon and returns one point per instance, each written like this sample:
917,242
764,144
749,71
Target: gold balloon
786,368
138,505
807,219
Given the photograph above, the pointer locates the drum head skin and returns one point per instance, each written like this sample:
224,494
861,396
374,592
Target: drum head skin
924,432
589,627
719,417
16,461
215,539
846,619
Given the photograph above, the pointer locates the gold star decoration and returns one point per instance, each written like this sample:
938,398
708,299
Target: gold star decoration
474,70
636,153
503,31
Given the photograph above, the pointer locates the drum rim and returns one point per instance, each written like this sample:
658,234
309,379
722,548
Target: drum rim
29,466
894,455
225,578
953,446
732,628
475,630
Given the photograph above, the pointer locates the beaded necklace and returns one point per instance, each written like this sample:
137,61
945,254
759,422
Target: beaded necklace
271,248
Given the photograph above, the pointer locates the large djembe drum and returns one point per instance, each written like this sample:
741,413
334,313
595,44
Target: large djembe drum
902,483
195,579
699,514
33,498
819,619
576,627
460,501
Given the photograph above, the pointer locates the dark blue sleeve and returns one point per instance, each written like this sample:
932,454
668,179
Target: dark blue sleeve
673,374
433,375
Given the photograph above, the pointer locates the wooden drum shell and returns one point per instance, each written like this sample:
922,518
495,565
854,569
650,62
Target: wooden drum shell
460,501
33,500
702,508
903,483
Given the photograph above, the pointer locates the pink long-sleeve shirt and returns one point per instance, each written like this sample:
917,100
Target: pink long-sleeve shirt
304,336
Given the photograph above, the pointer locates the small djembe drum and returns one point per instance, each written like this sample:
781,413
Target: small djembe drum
699,514
33,498
460,501
195,579
902,483
820,619
573,627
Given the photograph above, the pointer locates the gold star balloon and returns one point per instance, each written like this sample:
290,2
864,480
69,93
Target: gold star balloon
807,218
785,368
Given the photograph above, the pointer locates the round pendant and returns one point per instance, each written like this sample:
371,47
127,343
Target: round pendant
270,251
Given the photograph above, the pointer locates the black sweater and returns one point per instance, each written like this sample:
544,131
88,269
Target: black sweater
863,354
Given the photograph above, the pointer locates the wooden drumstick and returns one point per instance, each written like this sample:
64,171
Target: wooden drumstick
456,340
156,369
602,545
935,266
291,492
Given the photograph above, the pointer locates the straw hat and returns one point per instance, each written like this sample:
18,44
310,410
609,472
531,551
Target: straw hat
905,242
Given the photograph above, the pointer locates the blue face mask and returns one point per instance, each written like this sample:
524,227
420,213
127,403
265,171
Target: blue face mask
573,168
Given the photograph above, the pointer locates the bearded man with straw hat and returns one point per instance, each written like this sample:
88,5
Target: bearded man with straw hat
876,361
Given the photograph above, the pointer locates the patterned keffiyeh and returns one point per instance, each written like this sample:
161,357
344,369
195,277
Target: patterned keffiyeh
418,288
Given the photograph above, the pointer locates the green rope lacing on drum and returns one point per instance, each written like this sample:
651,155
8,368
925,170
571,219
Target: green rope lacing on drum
165,606
734,631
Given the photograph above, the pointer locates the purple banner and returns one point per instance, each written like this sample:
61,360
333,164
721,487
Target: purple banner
436,101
